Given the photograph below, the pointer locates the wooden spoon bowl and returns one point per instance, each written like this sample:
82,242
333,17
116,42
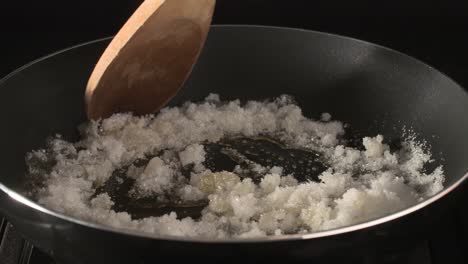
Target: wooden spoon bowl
150,58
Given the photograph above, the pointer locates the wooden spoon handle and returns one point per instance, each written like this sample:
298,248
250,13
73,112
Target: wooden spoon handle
150,58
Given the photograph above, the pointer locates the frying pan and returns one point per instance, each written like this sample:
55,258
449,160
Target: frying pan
373,88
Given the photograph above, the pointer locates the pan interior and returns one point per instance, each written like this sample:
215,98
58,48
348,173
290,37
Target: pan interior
374,89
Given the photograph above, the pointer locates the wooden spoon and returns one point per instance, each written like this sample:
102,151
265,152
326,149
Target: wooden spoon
150,58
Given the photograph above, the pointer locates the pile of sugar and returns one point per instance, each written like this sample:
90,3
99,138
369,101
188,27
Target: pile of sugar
358,186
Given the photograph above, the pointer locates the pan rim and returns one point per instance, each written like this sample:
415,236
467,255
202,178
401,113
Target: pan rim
315,235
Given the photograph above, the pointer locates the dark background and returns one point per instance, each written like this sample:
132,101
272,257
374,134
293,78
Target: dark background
434,32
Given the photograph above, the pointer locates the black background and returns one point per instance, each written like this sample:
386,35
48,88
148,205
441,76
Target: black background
435,32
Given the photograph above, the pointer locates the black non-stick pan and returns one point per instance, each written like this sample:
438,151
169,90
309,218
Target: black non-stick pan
375,89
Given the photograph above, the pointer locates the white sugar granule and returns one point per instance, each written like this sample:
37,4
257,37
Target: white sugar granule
156,178
193,154
356,187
